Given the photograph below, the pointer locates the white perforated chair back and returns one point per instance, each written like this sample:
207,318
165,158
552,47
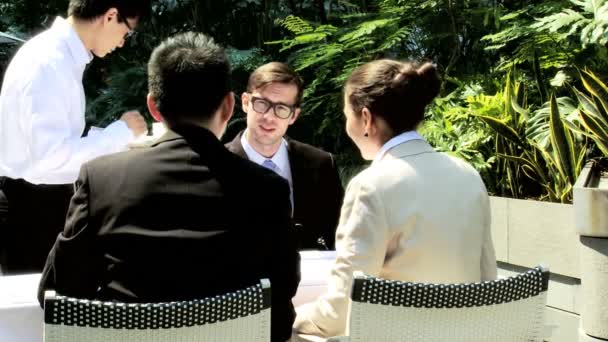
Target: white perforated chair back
504,310
243,315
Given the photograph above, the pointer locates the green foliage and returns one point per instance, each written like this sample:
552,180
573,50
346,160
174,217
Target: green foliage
520,41
500,136
451,127
554,166
594,109
591,21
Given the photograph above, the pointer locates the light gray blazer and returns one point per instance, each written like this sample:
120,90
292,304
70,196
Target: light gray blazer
415,215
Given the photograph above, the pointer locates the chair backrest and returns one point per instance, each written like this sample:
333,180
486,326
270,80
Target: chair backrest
510,309
243,315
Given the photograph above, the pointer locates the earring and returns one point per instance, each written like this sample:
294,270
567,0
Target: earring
366,134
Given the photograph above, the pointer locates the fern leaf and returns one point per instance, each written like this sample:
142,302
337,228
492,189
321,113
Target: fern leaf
366,28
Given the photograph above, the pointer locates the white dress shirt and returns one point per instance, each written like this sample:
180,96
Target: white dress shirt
280,159
42,106
394,141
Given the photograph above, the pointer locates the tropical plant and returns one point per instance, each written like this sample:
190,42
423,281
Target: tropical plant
593,110
551,35
526,163
451,127
521,43
591,20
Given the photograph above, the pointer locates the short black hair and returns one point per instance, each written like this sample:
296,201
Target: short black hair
188,77
90,9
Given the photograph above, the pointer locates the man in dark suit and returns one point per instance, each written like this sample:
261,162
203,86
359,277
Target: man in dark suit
272,104
184,218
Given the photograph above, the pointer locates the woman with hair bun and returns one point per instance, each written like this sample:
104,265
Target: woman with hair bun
415,214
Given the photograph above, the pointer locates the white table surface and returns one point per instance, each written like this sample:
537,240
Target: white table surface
21,316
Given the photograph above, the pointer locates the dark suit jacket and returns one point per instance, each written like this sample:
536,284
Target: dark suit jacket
183,219
317,192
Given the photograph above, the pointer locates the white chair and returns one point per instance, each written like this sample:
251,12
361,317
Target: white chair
509,310
243,315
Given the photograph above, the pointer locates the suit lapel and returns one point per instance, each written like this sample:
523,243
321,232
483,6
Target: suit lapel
298,173
236,147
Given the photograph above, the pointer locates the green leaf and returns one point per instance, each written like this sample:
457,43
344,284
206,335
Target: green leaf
595,126
561,141
502,129
588,105
366,28
596,87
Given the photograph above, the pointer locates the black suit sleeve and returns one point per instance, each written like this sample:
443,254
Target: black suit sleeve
73,265
334,195
285,273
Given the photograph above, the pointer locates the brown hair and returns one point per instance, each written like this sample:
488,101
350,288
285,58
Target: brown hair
396,91
275,72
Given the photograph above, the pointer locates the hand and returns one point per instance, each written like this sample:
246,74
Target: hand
135,122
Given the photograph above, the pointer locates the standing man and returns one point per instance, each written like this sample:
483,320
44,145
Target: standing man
185,218
272,104
42,105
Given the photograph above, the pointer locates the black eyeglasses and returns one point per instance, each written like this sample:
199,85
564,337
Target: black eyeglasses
126,22
280,110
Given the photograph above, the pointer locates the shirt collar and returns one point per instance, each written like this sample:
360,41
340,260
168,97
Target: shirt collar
281,158
396,140
79,52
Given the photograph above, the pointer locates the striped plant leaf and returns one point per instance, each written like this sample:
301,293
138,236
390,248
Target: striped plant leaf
561,141
598,132
590,106
502,129
596,87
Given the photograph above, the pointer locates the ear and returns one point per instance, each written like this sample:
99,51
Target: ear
227,107
244,101
294,117
368,120
153,109
110,13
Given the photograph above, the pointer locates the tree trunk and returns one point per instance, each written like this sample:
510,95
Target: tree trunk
451,8
320,7
293,7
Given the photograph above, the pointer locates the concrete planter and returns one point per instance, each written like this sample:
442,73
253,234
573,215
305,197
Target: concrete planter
591,201
591,219
528,233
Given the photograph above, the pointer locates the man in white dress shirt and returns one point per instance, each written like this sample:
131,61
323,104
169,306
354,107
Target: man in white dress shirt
42,107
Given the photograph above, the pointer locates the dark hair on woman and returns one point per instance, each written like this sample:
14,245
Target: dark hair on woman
398,92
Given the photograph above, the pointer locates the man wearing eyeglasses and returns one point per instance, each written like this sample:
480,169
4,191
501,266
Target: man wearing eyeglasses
42,119
272,104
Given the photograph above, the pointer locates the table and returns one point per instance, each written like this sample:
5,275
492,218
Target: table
20,314
315,268
21,317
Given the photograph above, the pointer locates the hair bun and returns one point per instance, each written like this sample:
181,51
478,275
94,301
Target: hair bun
429,81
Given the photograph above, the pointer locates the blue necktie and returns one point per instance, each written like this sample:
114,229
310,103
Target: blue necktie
269,164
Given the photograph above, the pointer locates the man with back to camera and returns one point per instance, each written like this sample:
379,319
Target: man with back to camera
42,105
272,104
184,218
